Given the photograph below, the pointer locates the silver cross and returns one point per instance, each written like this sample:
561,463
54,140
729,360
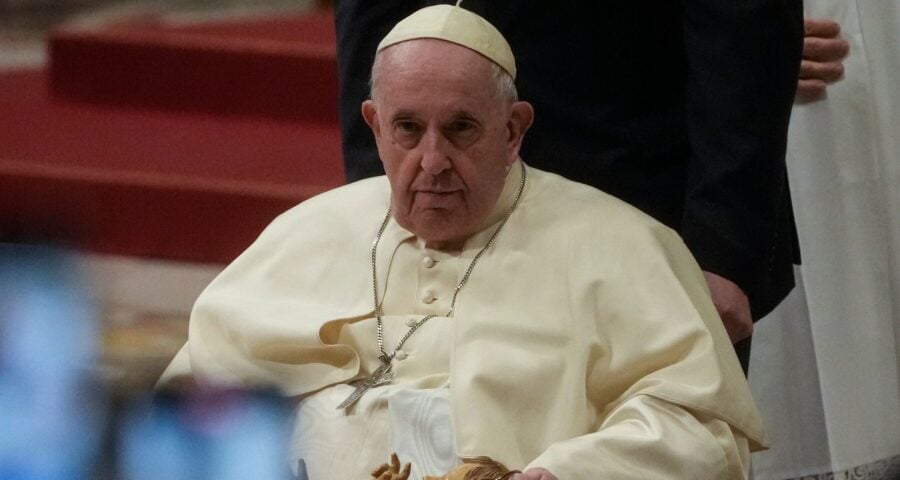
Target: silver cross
383,375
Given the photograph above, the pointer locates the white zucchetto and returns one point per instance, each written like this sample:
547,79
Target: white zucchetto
456,25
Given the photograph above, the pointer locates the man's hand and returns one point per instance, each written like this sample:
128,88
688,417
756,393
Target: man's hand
534,474
732,304
822,55
392,471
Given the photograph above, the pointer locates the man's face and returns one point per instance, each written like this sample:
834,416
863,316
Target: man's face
444,135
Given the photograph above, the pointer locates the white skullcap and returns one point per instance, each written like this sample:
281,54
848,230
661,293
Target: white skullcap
456,25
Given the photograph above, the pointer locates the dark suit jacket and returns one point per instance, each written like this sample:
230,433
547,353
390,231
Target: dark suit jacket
679,108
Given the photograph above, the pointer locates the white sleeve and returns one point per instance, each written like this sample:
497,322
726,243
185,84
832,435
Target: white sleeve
647,438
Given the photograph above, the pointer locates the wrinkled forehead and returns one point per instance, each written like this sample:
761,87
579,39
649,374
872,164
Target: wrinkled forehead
434,56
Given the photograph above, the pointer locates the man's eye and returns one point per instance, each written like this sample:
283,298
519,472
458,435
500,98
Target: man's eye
407,127
462,132
460,126
407,133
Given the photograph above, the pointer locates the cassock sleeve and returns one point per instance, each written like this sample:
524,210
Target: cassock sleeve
179,368
271,318
670,397
648,438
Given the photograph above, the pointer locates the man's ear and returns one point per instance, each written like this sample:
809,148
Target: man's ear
520,119
371,116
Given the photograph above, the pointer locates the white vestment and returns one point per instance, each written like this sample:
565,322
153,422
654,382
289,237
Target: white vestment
584,341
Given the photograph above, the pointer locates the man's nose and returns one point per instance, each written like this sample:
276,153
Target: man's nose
435,153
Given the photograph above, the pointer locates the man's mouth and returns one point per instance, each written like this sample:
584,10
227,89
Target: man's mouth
436,198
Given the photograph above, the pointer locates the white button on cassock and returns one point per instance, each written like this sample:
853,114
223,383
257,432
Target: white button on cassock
428,296
401,355
411,322
428,262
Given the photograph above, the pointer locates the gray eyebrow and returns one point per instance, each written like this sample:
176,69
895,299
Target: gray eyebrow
464,113
402,113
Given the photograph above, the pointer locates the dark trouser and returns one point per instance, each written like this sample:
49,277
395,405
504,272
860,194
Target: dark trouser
742,349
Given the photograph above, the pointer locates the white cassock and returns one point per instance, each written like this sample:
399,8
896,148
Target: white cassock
584,342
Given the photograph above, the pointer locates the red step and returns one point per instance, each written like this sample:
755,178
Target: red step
283,67
170,141
151,182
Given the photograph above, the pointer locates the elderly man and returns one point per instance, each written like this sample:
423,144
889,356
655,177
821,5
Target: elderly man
467,305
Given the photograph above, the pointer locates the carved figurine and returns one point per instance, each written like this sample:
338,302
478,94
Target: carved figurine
477,468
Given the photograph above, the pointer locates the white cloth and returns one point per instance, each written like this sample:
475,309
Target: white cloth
413,423
825,364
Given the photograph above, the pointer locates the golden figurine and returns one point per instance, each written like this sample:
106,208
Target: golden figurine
477,468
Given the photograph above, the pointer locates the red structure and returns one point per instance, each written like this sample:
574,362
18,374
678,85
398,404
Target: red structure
177,142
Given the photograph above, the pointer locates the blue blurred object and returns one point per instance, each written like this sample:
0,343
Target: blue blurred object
207,434
54,417
50,409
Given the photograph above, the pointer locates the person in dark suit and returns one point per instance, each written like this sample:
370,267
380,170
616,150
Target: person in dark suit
679,108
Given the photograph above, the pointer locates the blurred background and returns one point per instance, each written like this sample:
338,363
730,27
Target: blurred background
25,24
143,146
153,140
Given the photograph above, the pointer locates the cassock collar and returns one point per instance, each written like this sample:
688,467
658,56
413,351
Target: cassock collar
505,201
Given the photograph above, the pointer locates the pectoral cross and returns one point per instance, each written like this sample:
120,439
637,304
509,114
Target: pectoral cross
380,376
